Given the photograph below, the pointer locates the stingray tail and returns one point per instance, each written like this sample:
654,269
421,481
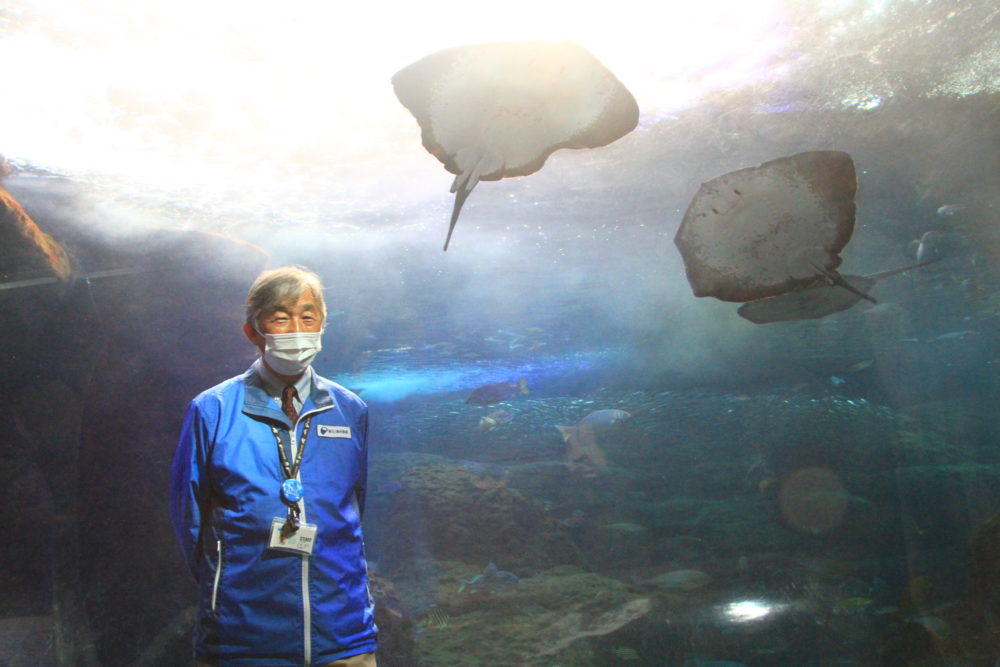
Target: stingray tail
901,269
837,279
472,165
462,187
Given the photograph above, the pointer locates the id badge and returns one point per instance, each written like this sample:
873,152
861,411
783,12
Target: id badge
299,542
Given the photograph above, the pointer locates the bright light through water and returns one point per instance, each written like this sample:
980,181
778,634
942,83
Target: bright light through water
746,611
387,382
266,109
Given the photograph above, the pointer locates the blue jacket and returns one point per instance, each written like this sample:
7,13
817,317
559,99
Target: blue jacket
258,606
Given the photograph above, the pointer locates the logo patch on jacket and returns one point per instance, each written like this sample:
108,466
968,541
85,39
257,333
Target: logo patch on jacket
325,431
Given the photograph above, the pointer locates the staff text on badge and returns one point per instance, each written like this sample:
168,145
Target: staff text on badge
324,431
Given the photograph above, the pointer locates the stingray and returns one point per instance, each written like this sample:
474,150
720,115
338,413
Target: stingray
817,301
25,248
492,111
766,230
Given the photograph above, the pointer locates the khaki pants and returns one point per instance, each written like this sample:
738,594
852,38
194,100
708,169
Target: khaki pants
360,660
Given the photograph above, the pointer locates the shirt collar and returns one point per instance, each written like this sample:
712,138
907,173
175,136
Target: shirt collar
273,385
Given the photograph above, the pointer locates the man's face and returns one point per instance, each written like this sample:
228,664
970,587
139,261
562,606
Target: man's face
302,315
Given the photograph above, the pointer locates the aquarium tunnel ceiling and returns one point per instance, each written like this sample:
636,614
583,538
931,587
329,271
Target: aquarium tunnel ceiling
279,126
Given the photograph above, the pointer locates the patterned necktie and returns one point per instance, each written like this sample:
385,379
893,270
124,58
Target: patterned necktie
287,405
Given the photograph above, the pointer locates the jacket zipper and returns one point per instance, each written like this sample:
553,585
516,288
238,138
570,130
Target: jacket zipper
218,573
306,606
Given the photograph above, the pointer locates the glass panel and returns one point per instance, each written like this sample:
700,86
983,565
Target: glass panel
573,460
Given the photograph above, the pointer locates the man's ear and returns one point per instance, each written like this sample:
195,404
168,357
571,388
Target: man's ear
252,335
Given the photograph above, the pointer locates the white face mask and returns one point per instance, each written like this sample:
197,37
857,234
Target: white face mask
291,353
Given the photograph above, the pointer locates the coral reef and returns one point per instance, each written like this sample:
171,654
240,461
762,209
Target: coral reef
544,620
395,629
457,512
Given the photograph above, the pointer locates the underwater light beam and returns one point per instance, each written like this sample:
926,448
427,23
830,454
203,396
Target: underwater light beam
395,381
233,100
746,611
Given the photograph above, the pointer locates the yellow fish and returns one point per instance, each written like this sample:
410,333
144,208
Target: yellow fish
860,366
851,606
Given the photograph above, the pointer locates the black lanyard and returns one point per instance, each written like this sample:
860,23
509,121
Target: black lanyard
292,473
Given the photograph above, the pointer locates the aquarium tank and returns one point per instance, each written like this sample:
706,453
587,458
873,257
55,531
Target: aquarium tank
707,376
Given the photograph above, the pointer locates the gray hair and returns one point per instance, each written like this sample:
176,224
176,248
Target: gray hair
278,287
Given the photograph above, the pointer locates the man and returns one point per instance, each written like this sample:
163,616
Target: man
267,493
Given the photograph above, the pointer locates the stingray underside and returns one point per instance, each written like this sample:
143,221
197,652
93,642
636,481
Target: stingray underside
762,231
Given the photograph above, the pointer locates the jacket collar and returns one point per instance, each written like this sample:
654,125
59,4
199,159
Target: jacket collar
258,403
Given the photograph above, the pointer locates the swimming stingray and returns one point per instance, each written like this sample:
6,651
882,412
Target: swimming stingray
491,111
766,230
817,301
24,248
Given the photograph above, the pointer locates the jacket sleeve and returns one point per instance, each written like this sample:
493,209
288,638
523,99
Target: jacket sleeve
189,488
362,487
